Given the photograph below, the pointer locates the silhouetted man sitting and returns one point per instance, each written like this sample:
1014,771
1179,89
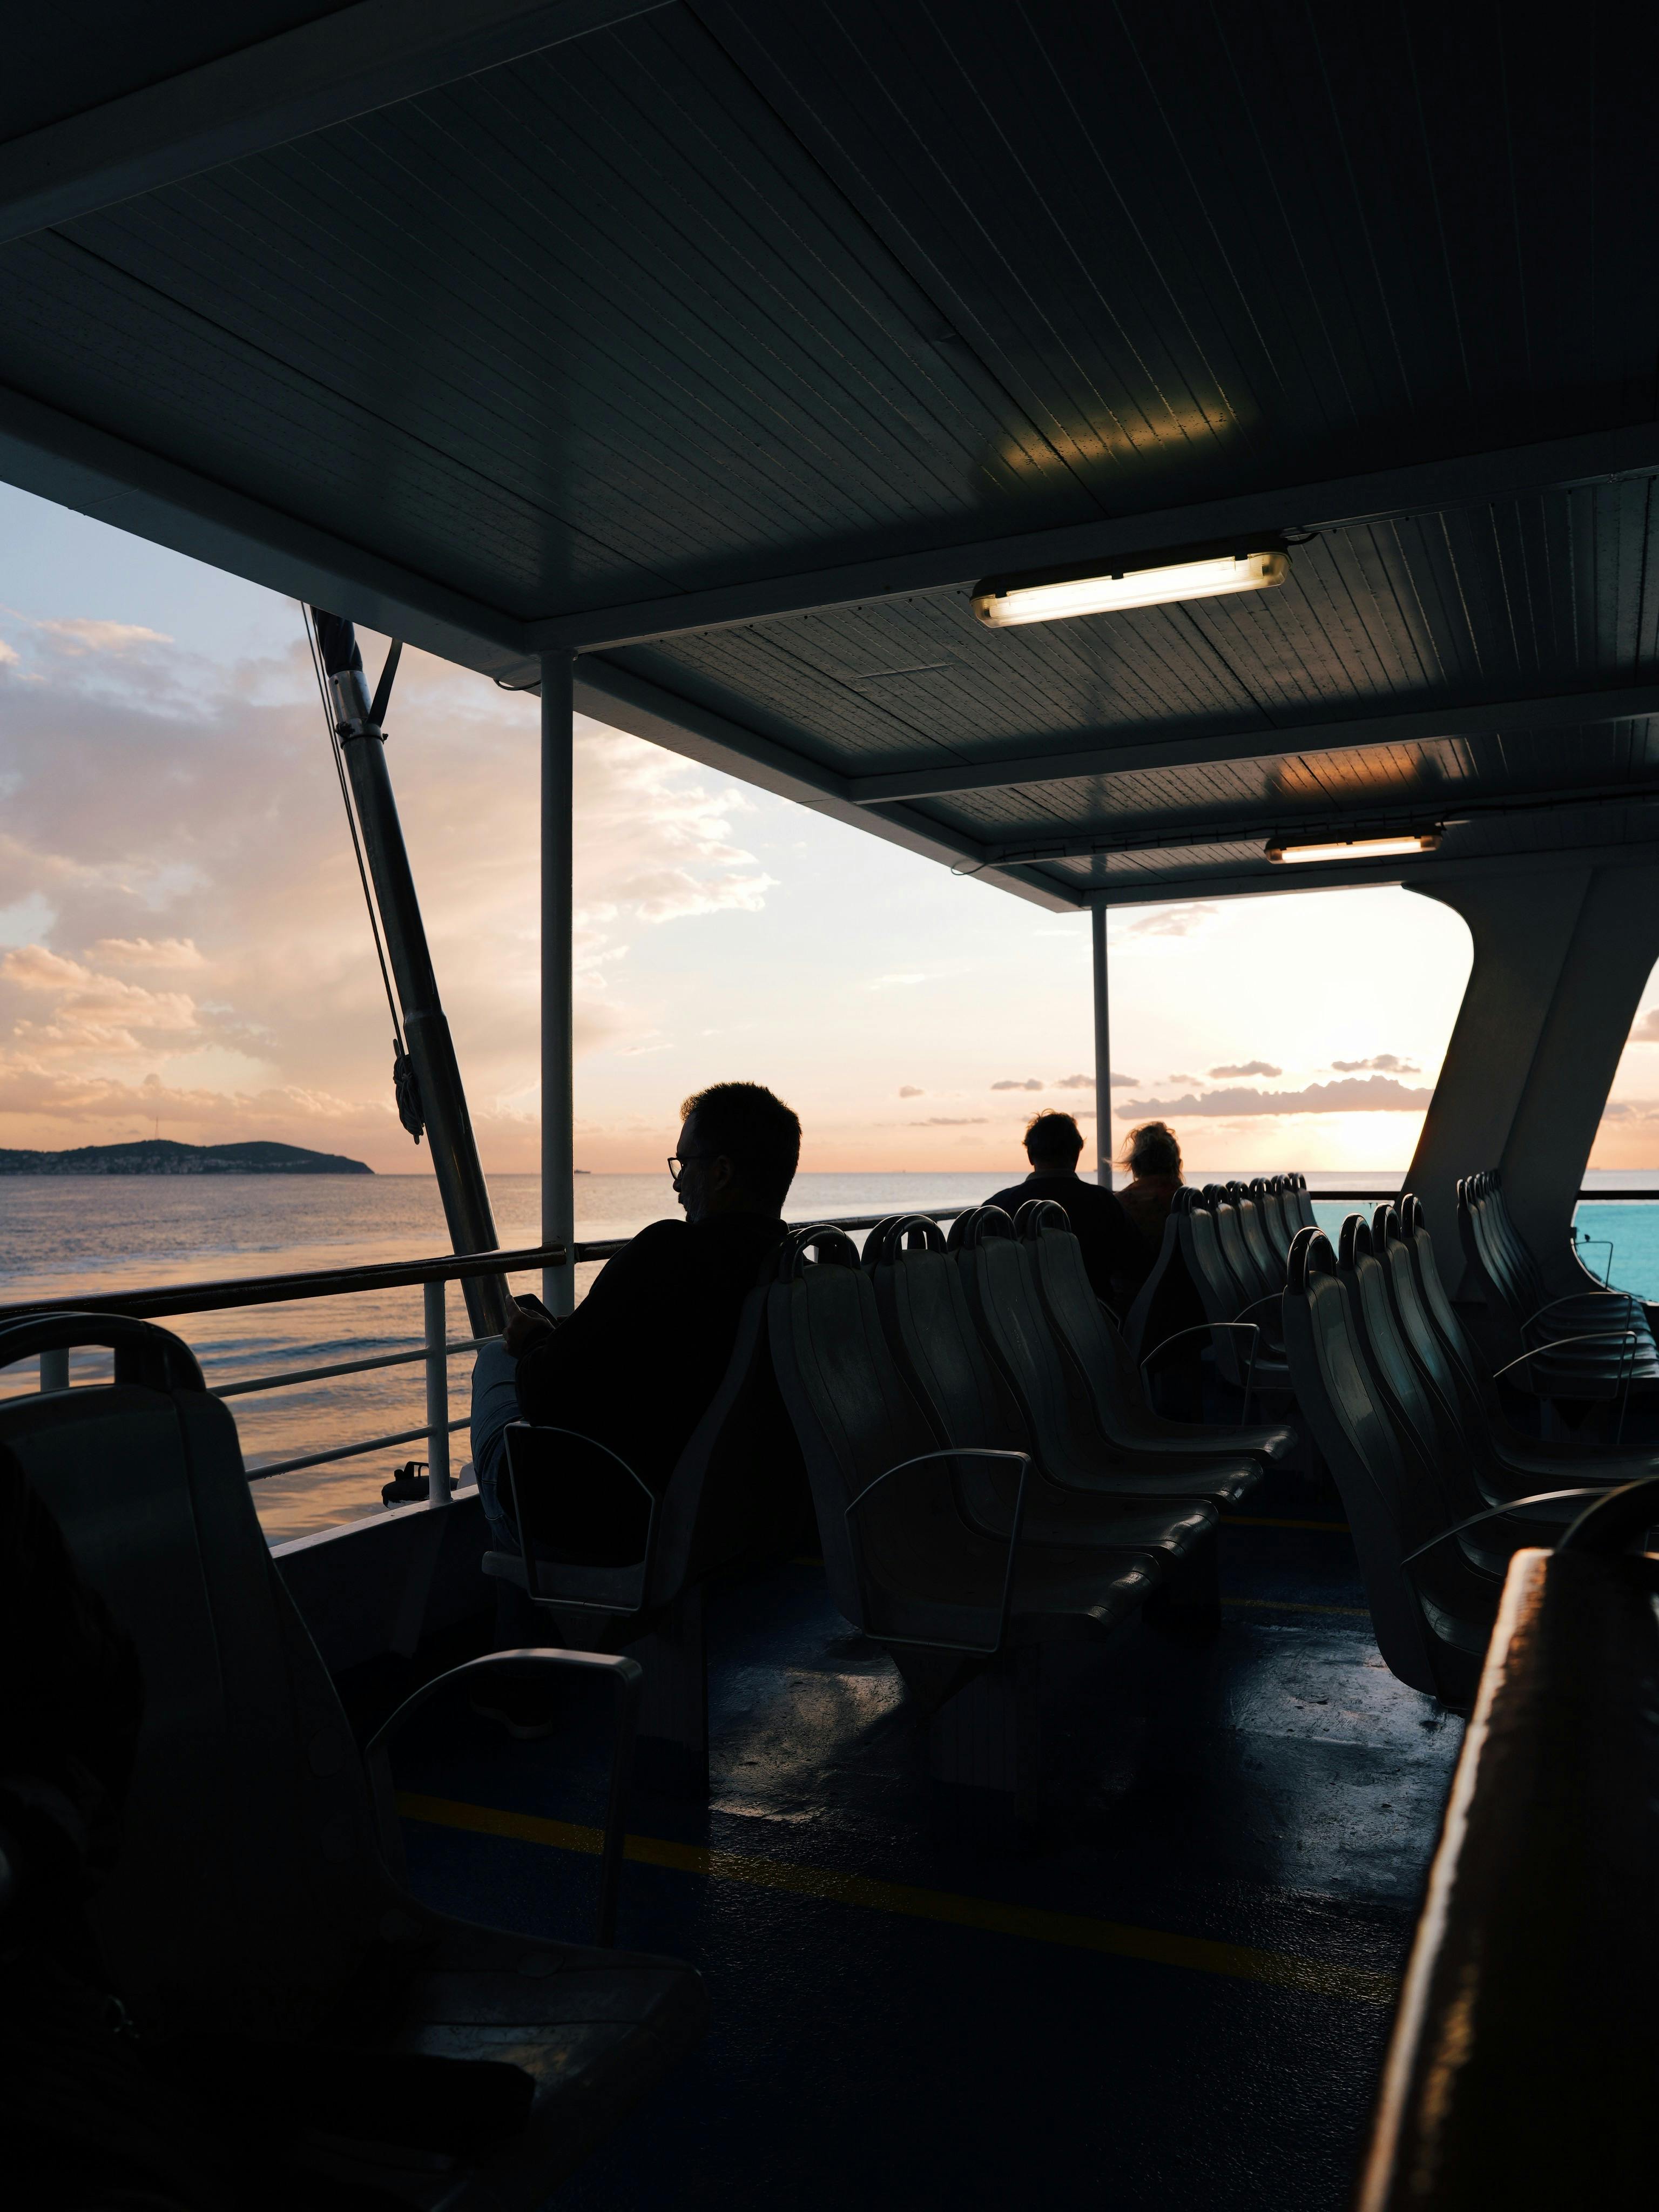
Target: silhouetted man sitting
637,1363
1115,1257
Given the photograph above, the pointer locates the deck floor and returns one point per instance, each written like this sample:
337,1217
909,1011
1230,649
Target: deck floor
1180,1998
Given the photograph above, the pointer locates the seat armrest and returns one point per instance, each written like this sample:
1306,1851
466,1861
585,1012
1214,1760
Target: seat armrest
1514,1507
626,1674
1023,1459
1204,1328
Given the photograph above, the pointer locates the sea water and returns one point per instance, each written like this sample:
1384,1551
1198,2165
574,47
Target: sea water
61,1235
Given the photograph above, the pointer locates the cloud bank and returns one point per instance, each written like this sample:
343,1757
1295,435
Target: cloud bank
1375,1094
174,849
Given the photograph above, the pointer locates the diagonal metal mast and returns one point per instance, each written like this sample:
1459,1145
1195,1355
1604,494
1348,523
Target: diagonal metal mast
431,1051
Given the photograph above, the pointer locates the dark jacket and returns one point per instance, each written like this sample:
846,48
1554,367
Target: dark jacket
1115,1257
637,1363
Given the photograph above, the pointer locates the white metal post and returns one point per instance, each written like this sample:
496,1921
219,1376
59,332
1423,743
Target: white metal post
437,1396
558,1108
1103,1053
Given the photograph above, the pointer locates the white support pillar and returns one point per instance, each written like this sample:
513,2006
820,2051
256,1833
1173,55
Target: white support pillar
558,1141
1103,1053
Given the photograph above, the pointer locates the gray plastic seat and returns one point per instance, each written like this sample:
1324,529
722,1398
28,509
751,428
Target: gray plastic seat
596,1540
1508,1461
904,1560
929,1330
1460,1457
1246,1354
1591,1344
1054,1396
1054,1259
252,1891
1431,1619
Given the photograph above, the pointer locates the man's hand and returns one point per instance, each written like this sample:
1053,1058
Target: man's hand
523,1329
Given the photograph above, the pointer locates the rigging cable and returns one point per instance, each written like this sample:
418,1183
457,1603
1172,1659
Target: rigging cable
403,1078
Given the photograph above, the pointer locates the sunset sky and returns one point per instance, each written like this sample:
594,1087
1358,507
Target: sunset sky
183,943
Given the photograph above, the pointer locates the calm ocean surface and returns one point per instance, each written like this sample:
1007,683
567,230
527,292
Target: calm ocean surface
58,1237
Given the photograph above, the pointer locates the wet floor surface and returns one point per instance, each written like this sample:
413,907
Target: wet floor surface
1177,1995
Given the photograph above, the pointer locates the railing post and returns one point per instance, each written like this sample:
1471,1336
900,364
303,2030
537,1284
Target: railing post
1103,1053
54,1370
558,1141
437,1396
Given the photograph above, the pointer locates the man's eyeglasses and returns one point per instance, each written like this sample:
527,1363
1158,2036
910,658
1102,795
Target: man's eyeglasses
678,1162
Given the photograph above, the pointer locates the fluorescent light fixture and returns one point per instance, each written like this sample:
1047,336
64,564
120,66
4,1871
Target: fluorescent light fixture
1357,848
1151,580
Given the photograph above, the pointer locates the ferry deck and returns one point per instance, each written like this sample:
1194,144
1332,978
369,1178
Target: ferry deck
761,381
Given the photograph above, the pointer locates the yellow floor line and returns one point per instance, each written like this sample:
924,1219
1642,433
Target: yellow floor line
1261,1521
1297,1605
1278,1969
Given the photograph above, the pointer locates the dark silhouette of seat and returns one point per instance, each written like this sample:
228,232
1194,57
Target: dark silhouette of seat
1508,1462
905,1558
1461,1457
1591,1344
1091,1340
621,1568
1431,1619
252,1891
1055,1396
929,1330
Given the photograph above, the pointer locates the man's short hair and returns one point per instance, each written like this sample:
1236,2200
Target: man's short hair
755,1131
1051,1136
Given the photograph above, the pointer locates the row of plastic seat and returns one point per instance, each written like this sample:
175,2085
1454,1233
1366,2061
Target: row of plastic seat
1439,1487
1593,1342
1224,1255
985,1469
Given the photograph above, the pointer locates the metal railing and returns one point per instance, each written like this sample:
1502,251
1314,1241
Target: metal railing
436,1348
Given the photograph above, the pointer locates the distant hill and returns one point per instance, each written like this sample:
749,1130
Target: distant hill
160,1156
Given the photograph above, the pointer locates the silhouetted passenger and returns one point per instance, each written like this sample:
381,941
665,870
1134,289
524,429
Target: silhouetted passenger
1152,1156
637,1363
1115,1257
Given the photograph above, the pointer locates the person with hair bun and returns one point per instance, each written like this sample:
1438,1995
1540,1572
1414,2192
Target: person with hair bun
1152,1153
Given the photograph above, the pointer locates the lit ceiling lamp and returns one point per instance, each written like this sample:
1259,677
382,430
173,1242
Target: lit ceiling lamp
1357,848
1149,580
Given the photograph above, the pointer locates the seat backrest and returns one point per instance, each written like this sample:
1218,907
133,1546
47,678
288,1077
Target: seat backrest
1166,1300
1054,1259
1269,1267
923,1310
248,1887
1230,1235
1454,1389
1504,1295
1270,1204
1431,1291
1010,1322
1218,1292
854,1414
1424,1421
1302,1199
1506,1237
737,1489
1390,1501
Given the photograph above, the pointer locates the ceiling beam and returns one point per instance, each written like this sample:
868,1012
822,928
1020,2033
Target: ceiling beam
75,465
1472,479
623,702
1260,741
346,64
